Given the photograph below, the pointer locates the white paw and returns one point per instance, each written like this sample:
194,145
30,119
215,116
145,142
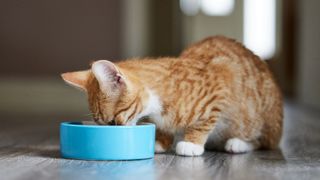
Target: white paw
236,145
185,148
158,148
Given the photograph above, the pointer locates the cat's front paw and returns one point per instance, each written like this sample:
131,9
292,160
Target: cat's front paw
185,148
159,148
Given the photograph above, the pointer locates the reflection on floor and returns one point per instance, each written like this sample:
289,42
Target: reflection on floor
29,149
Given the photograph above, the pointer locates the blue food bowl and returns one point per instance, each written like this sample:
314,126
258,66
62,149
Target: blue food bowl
94,142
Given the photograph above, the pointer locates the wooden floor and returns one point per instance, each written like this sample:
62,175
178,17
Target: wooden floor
29,149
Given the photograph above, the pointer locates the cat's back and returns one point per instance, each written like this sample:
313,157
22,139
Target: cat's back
246,68
224,50
215,46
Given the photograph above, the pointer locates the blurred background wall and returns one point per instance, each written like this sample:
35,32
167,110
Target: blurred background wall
308,53
39,39
47,37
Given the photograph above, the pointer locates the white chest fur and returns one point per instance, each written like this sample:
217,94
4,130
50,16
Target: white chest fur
152,108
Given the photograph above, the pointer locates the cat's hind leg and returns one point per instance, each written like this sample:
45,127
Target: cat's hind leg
236,145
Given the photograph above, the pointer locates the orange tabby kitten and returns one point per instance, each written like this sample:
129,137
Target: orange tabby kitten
218,93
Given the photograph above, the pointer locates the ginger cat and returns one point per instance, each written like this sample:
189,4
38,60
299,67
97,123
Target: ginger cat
217,92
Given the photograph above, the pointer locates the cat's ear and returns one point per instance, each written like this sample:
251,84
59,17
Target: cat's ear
110,78
77,79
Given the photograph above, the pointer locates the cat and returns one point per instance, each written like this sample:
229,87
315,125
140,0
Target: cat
217,92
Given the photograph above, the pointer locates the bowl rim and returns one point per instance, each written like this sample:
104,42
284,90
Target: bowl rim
80,125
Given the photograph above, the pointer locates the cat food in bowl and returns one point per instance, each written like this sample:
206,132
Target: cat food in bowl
94,142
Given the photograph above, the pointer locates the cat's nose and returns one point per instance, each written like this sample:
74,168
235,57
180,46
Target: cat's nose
112,122
99,121
95,119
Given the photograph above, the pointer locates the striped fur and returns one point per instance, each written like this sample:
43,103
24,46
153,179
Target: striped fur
215,81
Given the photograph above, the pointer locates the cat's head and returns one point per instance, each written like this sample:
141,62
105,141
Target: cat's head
114,96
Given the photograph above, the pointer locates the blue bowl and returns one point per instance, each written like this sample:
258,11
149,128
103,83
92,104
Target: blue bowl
93,142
